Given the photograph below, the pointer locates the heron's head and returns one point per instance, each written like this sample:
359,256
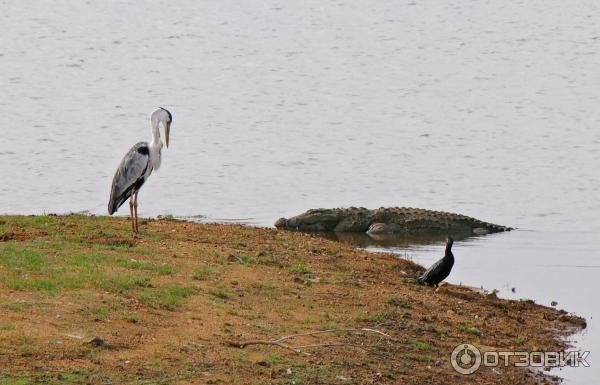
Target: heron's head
449,241
162,115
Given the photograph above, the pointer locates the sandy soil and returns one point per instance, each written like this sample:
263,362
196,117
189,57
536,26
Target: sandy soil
170,305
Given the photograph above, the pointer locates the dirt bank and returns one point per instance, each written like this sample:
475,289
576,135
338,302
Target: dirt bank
170,306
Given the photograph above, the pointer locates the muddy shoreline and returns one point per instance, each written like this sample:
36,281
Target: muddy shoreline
171,305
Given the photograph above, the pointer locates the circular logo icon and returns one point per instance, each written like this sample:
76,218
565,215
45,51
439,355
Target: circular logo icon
465,359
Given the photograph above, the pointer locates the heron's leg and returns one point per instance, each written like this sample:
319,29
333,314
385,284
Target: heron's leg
131,212
137,228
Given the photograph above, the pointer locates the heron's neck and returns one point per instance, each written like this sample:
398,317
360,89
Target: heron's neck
155,147
156,142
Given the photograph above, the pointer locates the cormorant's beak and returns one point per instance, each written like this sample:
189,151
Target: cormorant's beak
167,129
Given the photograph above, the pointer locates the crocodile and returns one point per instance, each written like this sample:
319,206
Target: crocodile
386,221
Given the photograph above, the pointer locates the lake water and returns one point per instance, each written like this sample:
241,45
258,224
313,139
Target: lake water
489,109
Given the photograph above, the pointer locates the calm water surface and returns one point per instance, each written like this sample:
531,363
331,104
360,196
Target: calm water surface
490,109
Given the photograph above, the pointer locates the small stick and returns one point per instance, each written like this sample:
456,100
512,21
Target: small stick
330,344
242,345
296,349
333,331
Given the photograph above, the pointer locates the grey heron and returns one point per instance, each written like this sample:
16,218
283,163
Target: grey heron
137,165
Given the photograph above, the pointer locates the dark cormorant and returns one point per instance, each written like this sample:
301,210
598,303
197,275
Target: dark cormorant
441,269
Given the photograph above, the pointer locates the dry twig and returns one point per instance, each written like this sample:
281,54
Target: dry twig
297,348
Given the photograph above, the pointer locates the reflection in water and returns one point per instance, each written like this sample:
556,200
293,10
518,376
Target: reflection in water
391,240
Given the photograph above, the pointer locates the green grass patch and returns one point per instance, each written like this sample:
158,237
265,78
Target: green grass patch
86,262
469,329
25,350
96,313
232,311
168,297
333,252
27,269
403,303
7,326
17,307
204,273
21,260
267,261
274,359
77,376
36,284
420,345
216,254
219,292
265,291
130,317
300,269
259,260
306,374
15,381
134,264
120,283
58,278
153,363
348,277
377,317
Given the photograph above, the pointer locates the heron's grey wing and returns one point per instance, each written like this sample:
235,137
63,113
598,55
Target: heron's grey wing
130,174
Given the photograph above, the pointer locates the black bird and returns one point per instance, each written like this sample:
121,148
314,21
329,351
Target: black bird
441,269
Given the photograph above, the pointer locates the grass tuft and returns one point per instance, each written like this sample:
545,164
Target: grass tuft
420,345
219,292
119,283
21,260
204,273
168,297
469,329
300,269
403,303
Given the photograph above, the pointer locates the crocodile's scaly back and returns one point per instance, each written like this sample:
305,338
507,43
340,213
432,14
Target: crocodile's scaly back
390,220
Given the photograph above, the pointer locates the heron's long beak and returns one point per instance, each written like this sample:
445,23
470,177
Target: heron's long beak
167,129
